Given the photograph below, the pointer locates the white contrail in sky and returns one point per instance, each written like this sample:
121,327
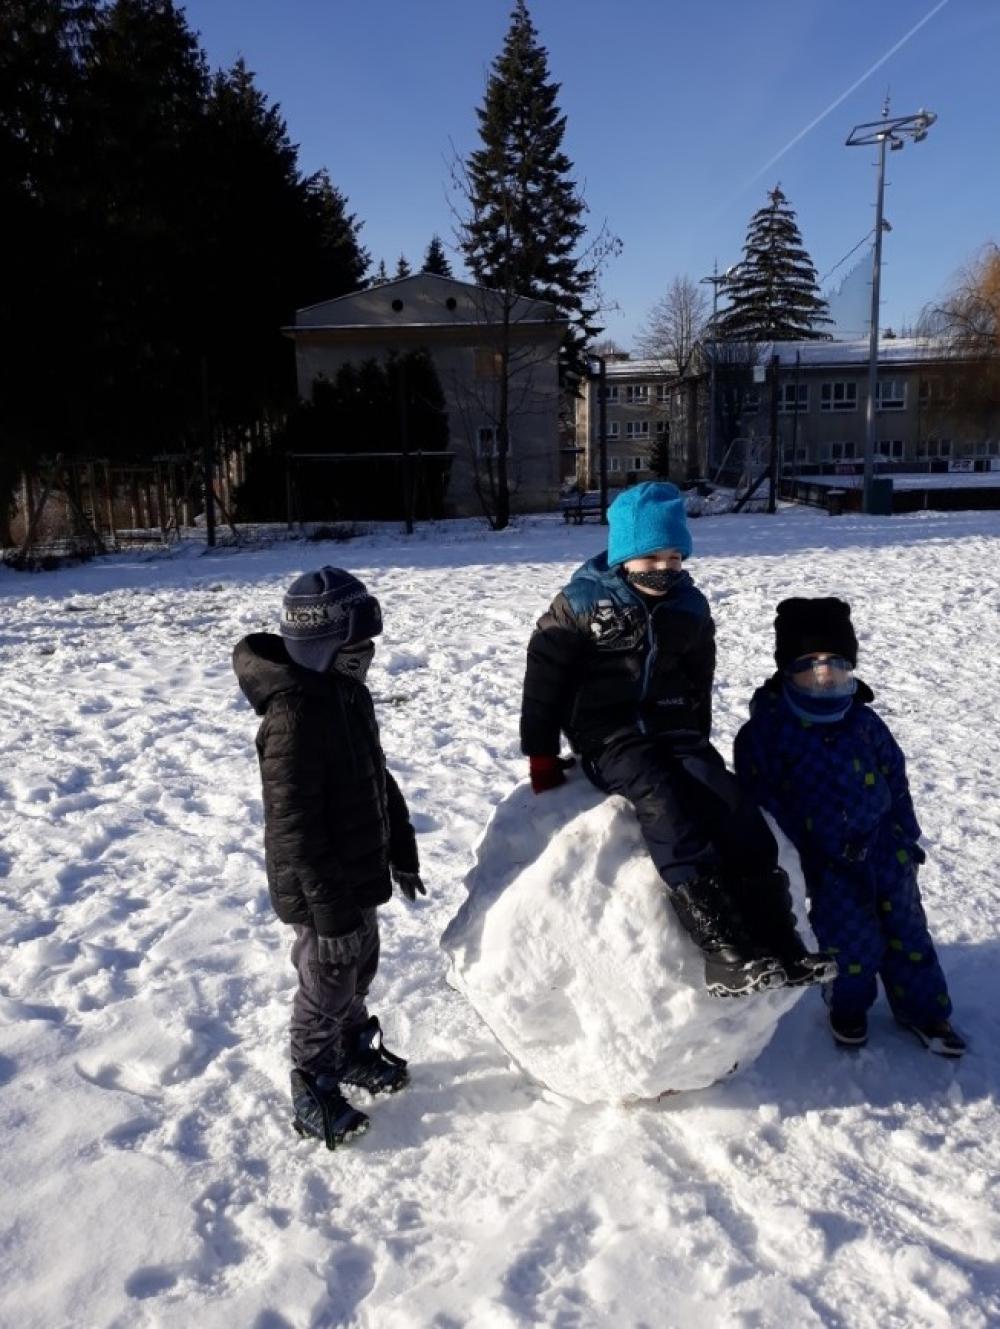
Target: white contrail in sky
843,96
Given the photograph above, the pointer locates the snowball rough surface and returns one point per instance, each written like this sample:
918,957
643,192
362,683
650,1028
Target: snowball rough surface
568,950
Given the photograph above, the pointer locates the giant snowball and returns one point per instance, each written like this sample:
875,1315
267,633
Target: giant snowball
568,951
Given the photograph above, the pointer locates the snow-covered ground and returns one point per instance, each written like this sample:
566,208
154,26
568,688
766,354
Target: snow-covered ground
149,1176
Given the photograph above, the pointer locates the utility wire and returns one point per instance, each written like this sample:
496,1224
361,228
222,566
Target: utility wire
862,241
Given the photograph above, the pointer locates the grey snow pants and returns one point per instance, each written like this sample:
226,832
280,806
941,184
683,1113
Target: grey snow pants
330,999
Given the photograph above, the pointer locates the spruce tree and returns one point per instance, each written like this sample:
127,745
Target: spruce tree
403,268
525,212
332,260
139,135
773,294
381,275
41,43
435,260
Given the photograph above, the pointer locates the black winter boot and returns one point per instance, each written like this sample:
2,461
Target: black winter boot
734,965
766,900
322,1111
369,1065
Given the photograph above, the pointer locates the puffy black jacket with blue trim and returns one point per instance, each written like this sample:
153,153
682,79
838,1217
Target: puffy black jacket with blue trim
334,818
602,665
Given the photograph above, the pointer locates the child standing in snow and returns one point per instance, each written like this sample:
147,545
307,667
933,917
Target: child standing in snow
820,760
335,827
623,664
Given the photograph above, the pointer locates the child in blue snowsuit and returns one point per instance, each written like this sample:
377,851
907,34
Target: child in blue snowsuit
818,758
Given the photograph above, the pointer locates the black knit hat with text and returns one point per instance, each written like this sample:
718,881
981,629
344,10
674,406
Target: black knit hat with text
804,627
323,611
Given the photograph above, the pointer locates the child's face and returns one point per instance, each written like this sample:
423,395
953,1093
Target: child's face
660,560
821,672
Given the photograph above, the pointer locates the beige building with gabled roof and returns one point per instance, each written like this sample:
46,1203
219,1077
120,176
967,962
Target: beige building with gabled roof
464,328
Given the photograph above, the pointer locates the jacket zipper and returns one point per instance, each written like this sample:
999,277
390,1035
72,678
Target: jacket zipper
650,656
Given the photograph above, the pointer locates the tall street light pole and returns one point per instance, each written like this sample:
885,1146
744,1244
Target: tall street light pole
715,281
599,370
895,132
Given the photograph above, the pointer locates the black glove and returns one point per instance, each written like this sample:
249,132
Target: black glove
339,930
409,884
340,950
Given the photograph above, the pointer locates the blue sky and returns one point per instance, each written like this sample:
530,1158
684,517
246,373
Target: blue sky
674,111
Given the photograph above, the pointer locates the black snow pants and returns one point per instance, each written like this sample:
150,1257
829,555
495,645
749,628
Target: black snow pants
330,999
693,814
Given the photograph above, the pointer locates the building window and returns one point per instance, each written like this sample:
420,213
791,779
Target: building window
936,390
662,394
793,397
890,447
838,396
614,465
611,428
637,394
987,449
840,451
890,394
930,448
611,393
837,452
635,463
486,442
488,363
637,429
663,429
751,402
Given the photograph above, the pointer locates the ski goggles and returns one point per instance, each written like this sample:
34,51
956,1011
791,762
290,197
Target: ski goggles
819,665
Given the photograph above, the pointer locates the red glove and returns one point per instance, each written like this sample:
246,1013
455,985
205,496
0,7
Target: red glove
548,772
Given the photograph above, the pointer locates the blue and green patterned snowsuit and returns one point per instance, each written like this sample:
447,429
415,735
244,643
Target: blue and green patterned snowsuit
840,794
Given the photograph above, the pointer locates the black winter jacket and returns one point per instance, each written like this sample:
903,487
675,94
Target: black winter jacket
334,817
601,665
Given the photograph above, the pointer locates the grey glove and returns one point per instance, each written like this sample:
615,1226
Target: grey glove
340,950
409,884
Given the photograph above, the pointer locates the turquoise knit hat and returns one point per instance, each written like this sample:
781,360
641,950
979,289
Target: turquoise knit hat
647,517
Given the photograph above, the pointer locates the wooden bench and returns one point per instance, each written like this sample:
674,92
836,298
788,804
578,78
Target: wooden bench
577,507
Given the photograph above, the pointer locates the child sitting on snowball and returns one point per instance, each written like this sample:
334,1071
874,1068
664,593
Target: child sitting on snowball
335,827
622,664
819,759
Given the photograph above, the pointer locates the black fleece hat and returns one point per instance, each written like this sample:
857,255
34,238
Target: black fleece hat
804,626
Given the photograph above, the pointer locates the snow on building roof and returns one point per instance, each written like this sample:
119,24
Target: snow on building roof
892,350
638,368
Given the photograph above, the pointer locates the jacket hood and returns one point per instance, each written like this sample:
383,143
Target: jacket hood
771,692
264,669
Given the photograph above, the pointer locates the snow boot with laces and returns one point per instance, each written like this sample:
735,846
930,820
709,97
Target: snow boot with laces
734,965
368,1064
322,1112
766,900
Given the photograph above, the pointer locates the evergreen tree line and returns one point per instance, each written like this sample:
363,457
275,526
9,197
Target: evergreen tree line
160,232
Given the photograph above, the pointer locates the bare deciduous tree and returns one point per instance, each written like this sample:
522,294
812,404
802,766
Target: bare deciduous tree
675,325
966,326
